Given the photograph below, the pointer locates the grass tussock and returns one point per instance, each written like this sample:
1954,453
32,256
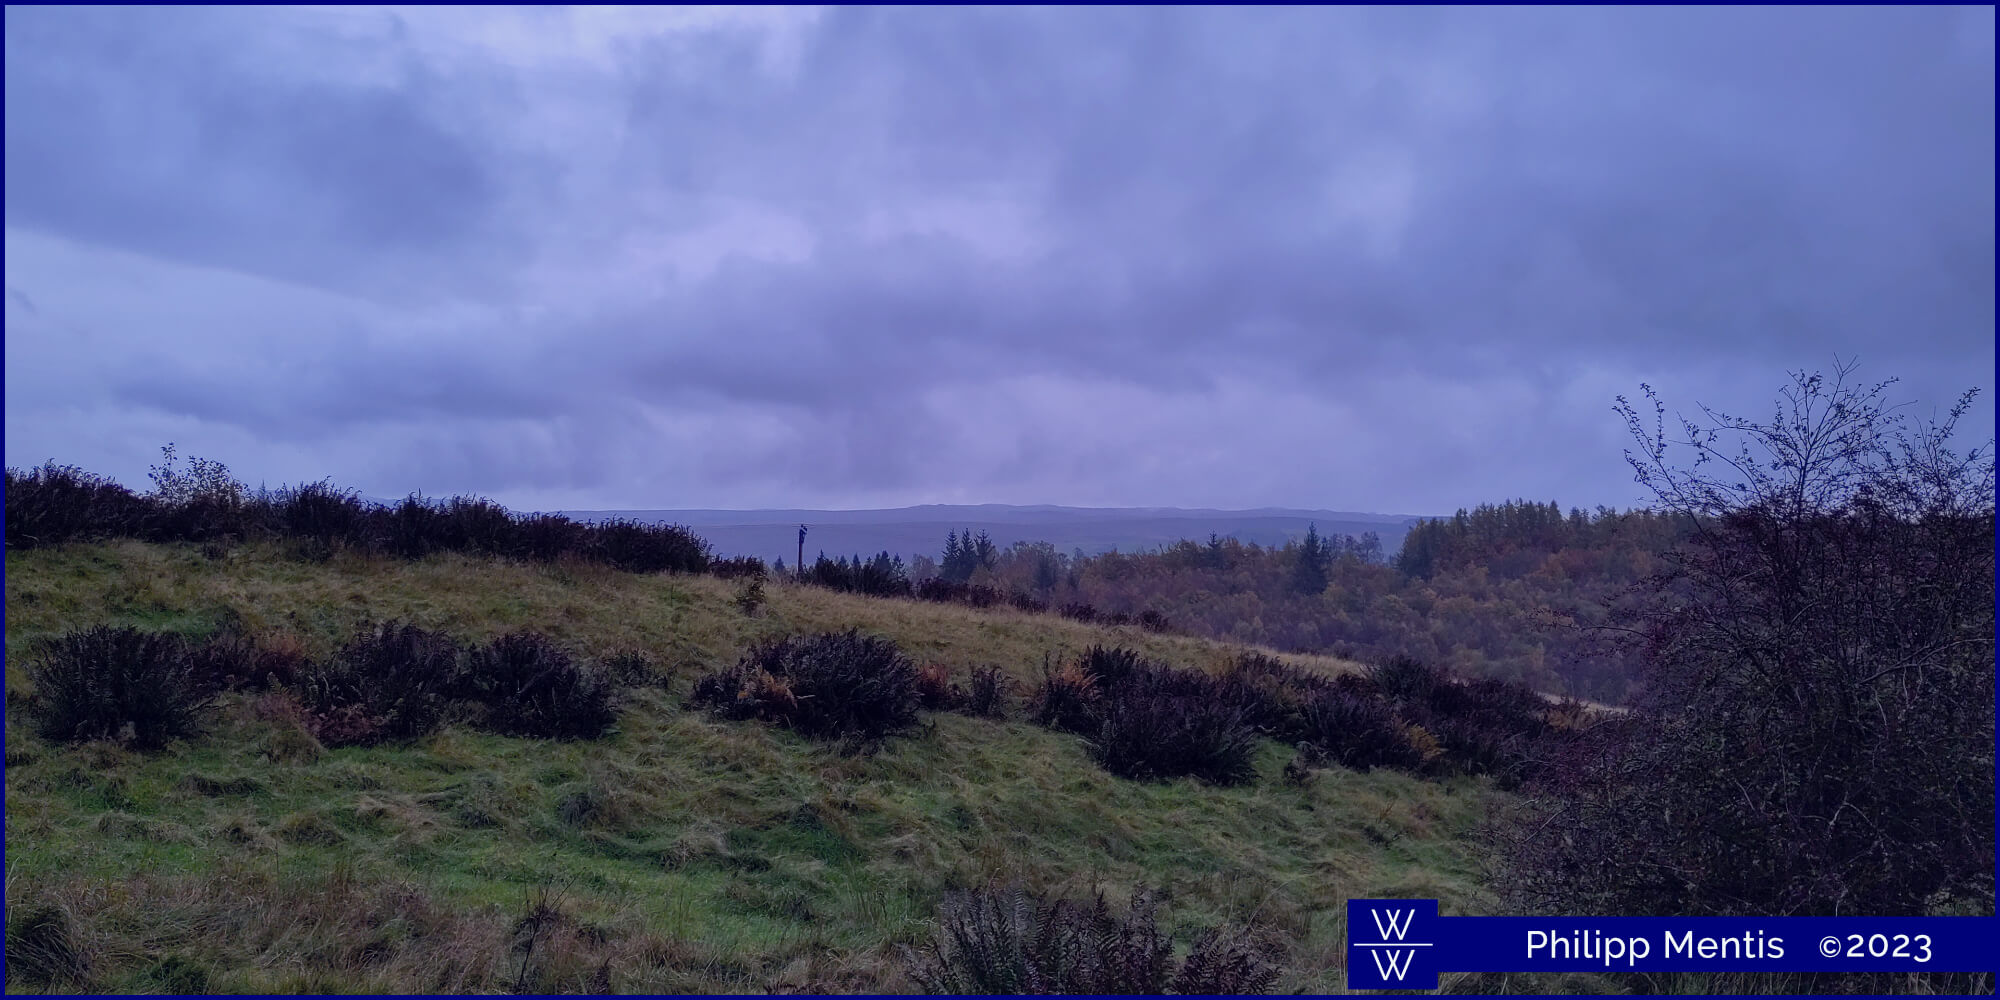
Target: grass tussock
1004,940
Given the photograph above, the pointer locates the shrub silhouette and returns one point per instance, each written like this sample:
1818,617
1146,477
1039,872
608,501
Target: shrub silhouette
117,683
1817,730
1407,680
1272,694
227,661
390,682
1067,700
648,548
1487,726
1153,733
825,686
987,695
412,529
1078,612
741,693
1027,602
935,690
531,687
1223,962
1002,940
1113,665
1356,731
739,566
548,537
1148,721
54,504
321,512
750,596
945,591
478,526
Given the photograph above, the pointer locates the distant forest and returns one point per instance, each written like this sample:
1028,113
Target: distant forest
1506,590
1510,591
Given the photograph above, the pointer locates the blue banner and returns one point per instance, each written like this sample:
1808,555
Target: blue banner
1404,944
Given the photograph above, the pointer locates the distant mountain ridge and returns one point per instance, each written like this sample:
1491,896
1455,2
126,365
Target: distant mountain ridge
772,534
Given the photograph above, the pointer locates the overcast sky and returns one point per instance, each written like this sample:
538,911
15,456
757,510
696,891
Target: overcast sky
1384,260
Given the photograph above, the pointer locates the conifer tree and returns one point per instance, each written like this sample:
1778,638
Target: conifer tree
1309,574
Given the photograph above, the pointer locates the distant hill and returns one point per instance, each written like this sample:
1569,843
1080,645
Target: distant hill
911,531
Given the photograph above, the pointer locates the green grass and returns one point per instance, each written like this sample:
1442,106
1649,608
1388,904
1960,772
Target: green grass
683,853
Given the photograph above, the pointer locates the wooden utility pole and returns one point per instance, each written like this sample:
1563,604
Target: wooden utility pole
799,569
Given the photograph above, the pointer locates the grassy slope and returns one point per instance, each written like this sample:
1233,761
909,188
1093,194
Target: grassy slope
685,853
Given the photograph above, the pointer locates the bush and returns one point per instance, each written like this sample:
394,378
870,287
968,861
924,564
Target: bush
228,661
1272,694
1001,941
743,693
281,659
945,591
1224,962
478,526
1153,733
1146,720
632,668
412,528
1407,680
740,566
54,504
1078,612
548,537
935,690
648,548
1487,726
1356,731
117,683
321,512
390,682
750,597
1817,730
1113,666
1068,699
825,686
987,695
204,504
1027,602
530,687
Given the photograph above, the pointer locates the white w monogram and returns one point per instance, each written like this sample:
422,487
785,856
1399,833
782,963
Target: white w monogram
1395,928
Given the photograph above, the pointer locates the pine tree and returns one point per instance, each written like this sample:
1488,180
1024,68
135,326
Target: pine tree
954,568
1309,574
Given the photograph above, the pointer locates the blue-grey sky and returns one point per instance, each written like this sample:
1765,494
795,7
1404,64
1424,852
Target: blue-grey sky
1393,260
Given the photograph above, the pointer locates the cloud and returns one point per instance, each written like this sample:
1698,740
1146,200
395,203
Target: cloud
1372,258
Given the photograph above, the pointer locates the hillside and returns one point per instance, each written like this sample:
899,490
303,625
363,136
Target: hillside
679,853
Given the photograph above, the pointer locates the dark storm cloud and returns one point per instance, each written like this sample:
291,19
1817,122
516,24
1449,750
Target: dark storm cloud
1120,255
